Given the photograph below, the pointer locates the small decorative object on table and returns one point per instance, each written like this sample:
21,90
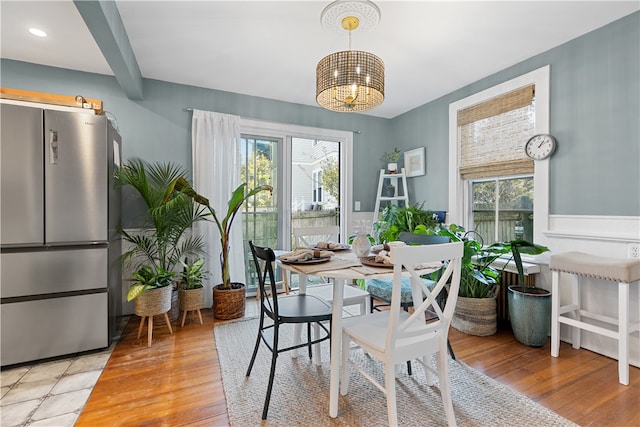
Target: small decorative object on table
361,241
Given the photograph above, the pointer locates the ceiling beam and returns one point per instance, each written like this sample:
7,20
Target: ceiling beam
103,20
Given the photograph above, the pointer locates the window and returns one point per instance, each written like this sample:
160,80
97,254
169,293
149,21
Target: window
492,136
492,184
502,208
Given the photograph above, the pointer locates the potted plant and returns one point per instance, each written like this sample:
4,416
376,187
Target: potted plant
392,158
191,289
151,290
529,306
228,297
164,240
388,190
475,312
393,220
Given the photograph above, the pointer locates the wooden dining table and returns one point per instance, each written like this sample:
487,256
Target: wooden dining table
342,267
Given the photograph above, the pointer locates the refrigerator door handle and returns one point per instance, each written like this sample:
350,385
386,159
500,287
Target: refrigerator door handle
53,146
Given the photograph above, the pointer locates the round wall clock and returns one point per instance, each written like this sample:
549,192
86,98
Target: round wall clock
540,146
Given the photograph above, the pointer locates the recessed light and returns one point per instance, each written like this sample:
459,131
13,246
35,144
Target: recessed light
37,32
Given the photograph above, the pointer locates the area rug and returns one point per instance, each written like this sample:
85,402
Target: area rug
301,391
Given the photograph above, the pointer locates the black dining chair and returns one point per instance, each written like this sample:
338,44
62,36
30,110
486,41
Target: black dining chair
282,310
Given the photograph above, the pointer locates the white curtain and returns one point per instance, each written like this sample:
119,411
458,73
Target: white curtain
216,173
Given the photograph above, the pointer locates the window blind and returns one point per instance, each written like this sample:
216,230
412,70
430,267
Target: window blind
492,135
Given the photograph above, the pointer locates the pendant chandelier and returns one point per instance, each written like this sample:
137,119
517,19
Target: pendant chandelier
350,80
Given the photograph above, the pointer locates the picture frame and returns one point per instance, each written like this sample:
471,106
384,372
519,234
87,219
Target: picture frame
414,162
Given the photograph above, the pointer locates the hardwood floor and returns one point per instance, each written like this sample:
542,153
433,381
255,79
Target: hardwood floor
177,381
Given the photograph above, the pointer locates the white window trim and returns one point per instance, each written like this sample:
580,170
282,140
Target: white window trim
458,200
288,131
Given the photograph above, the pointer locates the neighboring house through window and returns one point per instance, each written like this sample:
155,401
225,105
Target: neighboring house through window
316,189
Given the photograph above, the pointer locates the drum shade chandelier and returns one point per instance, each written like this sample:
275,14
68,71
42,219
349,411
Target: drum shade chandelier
350,80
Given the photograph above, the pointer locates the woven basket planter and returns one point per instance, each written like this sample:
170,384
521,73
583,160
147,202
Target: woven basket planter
174,312
191,299
229,303
153,302
476,316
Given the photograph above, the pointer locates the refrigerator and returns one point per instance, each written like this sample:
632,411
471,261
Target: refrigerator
60,275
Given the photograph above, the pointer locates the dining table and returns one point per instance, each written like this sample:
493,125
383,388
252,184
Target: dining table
342,267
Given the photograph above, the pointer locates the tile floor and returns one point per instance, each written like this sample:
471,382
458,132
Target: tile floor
51,393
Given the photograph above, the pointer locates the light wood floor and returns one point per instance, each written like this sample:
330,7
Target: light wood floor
177,381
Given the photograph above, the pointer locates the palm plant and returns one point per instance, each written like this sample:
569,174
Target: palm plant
169,215
224,225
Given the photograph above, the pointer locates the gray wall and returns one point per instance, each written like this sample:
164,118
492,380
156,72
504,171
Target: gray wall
595,97
595,116
158,128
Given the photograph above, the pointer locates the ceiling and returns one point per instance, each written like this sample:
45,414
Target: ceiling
270,48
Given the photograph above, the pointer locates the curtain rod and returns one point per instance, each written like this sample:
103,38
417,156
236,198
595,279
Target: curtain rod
354,131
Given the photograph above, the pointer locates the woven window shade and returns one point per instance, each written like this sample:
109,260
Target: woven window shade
501,104
492,135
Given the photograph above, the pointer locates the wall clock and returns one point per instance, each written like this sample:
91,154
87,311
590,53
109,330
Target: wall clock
540,146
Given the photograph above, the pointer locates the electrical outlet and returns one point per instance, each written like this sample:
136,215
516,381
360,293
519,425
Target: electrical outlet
633,251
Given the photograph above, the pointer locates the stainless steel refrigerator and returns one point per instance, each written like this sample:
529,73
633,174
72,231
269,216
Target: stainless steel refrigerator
59,246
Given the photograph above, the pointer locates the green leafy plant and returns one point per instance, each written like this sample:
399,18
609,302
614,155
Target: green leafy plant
224,225
516,248
392,156
157,249
146,278
192,274
477,277
163,240
393,220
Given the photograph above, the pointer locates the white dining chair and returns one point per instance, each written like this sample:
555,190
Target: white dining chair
395,336
305,237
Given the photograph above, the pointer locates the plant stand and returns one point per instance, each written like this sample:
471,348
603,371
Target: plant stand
398,180
152,303
229,303
191,300
476,316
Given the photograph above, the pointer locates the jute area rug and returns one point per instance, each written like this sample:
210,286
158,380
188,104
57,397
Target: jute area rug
301,391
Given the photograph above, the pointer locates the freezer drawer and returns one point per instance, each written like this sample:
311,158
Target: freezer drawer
50,271
35,330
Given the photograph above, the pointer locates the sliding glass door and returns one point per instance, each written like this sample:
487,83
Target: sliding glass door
315,183
259,157
307,169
